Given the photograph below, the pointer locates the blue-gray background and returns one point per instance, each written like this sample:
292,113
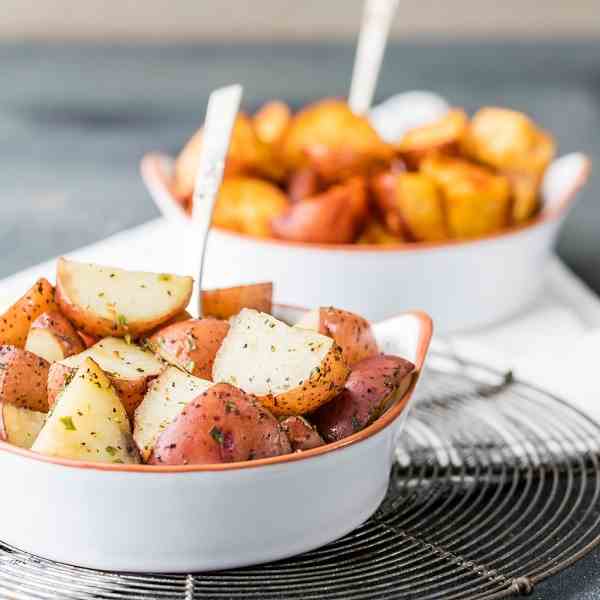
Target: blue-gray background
76,119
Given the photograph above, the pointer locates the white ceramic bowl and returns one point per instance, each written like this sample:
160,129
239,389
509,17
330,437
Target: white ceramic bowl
461,284
187,518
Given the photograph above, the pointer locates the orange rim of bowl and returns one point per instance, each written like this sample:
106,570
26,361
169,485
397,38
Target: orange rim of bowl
425,333
151,168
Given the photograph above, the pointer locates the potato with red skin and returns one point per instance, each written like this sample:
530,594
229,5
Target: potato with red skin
16,320
223,303
333,217
373,384
351,332
191,345
222,425
23,378
303,184
301,434
53,337
88,339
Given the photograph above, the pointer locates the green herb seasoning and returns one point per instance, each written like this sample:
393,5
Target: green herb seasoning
111,450
68,423
217,435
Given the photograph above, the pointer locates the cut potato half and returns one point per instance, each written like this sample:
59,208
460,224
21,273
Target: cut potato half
128,366
106,301
20,426
167,395
290,370
52,337
88,422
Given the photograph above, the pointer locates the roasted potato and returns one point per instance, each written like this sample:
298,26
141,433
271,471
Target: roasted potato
191,345
129,368
344,142
248,205
351,332
247,155
477,201
375,233
301,434
333,217
510,142
88,421
221,425
166,397
442,136
271,122
411,206
291,370
373,385
52,337
23,379
20,426
104,301
226,302
16,321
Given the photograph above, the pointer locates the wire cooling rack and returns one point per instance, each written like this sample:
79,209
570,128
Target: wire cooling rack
496,487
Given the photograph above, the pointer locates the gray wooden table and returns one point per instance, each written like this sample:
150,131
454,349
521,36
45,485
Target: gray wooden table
75,120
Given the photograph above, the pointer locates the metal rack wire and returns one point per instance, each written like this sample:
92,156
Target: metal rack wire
495,488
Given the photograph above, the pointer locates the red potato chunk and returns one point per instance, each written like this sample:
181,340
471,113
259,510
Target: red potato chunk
222,425
301,434
372,386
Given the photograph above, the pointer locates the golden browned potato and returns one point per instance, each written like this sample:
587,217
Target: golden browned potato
291,370
351,332
105,301
510,142
191,345
226,302
247,156
301,434
221,425
129,368
441,136
333,217
340,141
53,337
271,121
411,205
16,321
375,233
477,201
374,384
248,205
23,379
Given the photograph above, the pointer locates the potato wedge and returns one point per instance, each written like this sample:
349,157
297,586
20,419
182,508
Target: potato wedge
53,337
301,434
129,368
166,397
373,385
221,425
16,321
333,217
191,345
248,205
291,370
104,301
226,302
88,422
20,426
375,233
23,379
350,331
411,206
271,122
350,143
476,200
442,136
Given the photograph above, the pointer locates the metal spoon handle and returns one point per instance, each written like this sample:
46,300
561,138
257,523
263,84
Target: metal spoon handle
372,39
223,106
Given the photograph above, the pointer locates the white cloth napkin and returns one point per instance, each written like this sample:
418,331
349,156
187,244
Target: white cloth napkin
555,343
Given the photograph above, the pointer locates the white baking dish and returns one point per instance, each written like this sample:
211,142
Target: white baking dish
189,518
